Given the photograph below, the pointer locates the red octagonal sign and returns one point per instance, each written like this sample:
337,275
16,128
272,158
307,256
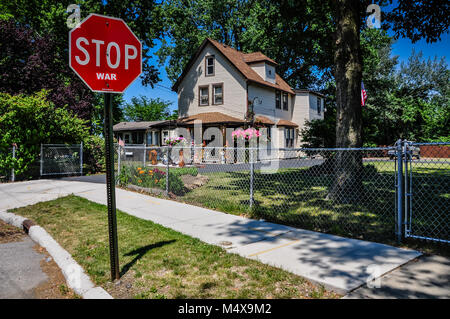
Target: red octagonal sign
105,53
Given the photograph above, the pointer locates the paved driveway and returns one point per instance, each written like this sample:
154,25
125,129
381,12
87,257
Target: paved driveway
338,263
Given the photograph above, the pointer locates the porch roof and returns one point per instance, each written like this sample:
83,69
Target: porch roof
134,126
286,123
210,118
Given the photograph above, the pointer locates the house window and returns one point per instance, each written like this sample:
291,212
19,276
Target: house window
127,138
209,67
285,101
319,106
218,93
289,137
156,138
278,99
140,138
165,136
203,95
149,138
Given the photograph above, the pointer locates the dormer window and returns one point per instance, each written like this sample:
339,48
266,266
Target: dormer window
319,106
203,92
209,65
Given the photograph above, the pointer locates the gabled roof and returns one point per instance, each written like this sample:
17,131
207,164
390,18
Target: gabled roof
143,125
238,60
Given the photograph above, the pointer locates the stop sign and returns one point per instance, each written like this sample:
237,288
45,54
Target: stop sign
105,53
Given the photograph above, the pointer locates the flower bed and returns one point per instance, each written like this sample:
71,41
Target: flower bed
150,178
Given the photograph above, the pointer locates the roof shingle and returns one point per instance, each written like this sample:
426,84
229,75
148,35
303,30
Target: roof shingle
209,118
240,61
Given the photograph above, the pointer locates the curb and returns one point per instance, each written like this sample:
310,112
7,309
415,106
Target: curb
74,274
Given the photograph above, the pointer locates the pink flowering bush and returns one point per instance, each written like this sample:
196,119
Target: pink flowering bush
247,134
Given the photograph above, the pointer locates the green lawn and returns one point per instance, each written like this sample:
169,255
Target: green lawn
157,262
300,197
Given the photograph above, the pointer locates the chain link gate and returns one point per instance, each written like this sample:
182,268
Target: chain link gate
61,159
427,191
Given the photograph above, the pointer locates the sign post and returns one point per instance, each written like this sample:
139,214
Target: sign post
107,56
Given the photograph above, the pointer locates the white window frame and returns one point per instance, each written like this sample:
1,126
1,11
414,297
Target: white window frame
289,137
200,88
207,65
214,93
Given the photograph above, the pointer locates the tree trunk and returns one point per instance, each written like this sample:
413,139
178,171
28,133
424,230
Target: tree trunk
348,74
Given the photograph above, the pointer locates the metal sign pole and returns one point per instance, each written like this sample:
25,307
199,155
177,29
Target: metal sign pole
110,189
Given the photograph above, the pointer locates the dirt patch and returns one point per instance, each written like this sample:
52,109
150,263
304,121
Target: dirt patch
55,287
10,233
124,288
192,182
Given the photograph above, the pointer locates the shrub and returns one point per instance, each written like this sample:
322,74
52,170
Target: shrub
29,121
94,154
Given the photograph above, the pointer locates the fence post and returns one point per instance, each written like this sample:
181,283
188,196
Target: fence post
118,159
167,171
145,153
13,176
42,159
81,158
399,190
252,172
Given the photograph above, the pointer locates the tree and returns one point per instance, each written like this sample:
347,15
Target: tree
424,89
420,19
50,16
29,121
30,62
291,33
147,109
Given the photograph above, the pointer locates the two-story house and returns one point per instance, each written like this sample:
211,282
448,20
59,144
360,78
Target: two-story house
220,86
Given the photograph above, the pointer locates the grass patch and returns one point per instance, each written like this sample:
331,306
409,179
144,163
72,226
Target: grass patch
157,262
298,197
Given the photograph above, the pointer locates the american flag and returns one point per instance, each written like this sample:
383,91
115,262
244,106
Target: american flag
363,95
121,142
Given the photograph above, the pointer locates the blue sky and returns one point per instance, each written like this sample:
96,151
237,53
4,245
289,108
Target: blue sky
403,48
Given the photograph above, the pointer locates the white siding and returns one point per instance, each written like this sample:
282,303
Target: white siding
264,70
267,107
234,87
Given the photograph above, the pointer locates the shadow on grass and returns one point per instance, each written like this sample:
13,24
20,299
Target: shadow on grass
298,197
140,252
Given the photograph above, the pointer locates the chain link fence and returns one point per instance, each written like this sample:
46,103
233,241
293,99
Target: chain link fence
427,191
348,192
7,158
61,159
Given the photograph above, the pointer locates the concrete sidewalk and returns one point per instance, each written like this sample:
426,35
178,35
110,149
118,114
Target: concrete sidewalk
338,263
427,277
